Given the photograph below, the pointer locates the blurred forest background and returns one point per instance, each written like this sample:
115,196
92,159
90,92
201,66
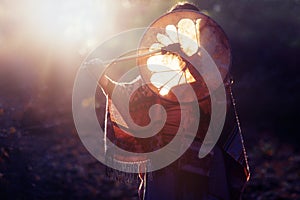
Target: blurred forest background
42,44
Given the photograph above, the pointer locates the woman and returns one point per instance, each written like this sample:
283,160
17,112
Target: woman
220,175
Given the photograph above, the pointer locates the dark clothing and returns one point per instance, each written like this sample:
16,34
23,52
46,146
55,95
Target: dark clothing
220,175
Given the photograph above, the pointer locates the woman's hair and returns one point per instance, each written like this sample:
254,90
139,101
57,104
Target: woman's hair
184,5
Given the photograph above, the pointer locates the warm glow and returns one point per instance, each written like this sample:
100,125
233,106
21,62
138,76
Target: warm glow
172,33
164,91
168,72
167,62
168,69
51,37
187,35
68,22
189,77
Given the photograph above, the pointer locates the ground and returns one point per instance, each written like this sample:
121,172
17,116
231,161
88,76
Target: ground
45,159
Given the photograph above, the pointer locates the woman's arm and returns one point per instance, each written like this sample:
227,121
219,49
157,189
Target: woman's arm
137,95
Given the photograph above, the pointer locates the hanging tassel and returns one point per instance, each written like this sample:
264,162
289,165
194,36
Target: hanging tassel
143,182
